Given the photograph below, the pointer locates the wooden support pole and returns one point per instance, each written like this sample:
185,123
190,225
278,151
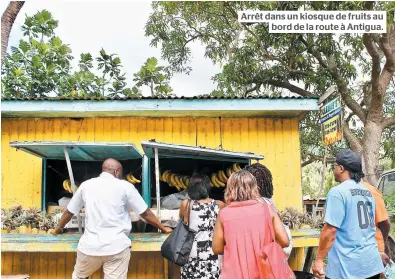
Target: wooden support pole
296,260
157,184
322,182
309,259
73,187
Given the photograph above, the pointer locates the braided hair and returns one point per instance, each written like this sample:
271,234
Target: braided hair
264,179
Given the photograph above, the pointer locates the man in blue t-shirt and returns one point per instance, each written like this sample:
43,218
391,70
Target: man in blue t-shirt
349,231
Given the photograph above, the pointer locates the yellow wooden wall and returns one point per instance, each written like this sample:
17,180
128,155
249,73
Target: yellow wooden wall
276,139
142,265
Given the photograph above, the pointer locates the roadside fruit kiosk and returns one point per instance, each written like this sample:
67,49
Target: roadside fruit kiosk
50,146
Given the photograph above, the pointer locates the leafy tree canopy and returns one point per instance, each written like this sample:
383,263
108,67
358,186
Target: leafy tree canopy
155,77
40,66
254,61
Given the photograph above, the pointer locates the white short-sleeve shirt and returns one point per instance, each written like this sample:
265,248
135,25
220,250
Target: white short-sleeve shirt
107,201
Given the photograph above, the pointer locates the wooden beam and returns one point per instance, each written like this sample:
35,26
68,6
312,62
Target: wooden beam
73,187
280,108
140,241
309,259
327,93
157,184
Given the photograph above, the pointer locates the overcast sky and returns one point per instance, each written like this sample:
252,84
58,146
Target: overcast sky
118,27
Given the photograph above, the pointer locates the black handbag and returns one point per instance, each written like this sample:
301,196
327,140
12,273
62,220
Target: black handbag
178,245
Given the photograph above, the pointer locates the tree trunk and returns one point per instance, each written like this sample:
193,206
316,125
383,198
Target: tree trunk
371,151
7,20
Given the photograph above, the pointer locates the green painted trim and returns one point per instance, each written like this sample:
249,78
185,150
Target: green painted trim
159,108
219,158
44,185
69,242
140,241
146,181
79,151
167,150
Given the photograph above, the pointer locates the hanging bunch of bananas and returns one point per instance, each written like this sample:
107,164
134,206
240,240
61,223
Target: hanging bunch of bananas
219,178
180,182
234,168
130,178
67,186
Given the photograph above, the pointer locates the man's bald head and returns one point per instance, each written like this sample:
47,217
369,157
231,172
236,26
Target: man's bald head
113,167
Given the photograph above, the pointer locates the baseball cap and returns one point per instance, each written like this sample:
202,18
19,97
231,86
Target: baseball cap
350,160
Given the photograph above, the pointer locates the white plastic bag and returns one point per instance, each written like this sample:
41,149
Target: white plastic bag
389,271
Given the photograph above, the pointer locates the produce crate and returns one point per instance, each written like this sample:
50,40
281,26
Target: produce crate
73,224
166,215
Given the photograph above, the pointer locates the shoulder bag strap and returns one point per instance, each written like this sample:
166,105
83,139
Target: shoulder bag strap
187,207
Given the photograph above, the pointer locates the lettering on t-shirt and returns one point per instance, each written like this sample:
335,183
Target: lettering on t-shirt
360,192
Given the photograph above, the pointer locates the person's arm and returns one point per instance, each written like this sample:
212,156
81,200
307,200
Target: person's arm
136,202
182,209
66,217
327,238
334,216
279,230
385,227
218,237
220,204
381,215
381,220
73,208
151,219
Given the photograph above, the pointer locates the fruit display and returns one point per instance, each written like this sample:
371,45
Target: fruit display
46,224
26,221
219,178
130,178
23,223
180,182
67,186
295,219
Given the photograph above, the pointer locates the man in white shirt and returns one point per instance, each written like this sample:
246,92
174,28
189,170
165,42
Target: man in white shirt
107,201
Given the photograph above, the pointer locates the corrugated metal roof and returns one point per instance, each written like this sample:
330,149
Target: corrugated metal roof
202,97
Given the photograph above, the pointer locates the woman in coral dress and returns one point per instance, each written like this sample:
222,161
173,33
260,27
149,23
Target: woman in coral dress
242,228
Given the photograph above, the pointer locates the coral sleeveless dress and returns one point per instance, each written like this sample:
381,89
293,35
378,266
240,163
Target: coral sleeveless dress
246,231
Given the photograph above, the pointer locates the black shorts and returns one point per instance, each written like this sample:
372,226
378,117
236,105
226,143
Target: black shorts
373,277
